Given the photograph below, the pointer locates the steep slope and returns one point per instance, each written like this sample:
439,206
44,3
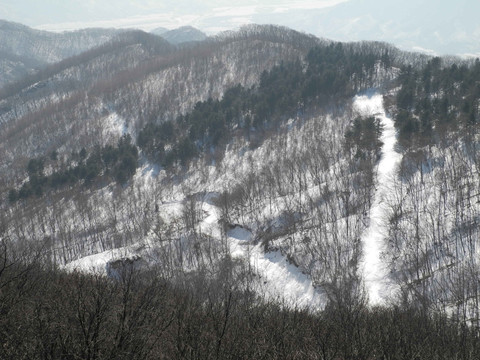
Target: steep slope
433,216
13,67
255,157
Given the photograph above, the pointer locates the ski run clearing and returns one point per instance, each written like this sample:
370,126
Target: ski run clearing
375,273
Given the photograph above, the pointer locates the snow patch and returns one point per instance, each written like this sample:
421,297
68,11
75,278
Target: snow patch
97,263
114,126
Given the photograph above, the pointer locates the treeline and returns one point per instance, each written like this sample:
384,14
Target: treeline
436,98
50,314
332,72
119,162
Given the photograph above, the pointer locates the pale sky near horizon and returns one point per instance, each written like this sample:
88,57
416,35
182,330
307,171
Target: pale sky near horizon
58,15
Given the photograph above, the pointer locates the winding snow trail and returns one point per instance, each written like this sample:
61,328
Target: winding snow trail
376,274
279,280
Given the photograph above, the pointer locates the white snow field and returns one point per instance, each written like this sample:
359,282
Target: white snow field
376,275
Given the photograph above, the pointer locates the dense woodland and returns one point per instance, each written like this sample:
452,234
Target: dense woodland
434,208
282,93
132,146
119,163
435,99
47,314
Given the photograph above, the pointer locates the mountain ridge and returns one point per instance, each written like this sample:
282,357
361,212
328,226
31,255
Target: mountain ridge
29,45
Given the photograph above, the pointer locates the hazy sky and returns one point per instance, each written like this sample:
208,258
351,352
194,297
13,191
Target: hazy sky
210,15
434,26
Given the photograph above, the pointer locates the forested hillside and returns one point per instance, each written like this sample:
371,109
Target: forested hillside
54,315
309,198
22,49
435,204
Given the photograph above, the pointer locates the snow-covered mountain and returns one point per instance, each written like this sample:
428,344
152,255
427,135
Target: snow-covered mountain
439,27
317,171
121,87
23,49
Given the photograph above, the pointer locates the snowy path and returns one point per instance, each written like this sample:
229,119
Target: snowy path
376,274
279,280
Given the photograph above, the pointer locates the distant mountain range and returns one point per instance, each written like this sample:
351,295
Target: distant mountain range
438,27
23,49
181,35
435,27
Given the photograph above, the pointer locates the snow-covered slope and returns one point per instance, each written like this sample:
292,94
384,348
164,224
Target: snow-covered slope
139,83
278,279
292,261
306,209
374,267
